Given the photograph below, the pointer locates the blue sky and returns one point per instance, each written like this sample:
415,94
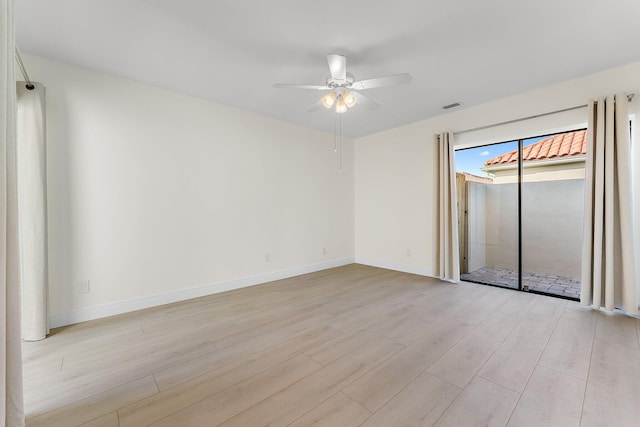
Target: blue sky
472,159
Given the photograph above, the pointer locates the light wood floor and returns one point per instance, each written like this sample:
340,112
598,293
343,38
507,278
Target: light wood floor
349,346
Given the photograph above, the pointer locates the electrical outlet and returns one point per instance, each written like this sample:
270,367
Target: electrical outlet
84,287
266,257
324,250
409,253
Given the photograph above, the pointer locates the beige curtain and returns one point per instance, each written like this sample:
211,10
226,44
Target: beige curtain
32,208
11,400
449,259
608,276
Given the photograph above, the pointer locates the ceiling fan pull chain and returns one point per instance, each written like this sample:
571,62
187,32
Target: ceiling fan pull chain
340,119
335,133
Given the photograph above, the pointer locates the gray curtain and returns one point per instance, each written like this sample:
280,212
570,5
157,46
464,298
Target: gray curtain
11,400
32,208
608,276
448,254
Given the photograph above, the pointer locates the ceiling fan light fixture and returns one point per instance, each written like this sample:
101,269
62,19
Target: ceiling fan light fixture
341,106
349,99
329,99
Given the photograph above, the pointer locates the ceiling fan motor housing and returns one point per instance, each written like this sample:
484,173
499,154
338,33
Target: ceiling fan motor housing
339,83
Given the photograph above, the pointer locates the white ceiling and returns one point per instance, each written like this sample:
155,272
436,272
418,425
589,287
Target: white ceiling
232,51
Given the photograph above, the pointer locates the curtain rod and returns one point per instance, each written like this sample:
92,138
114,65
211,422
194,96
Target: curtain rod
535,116
23,70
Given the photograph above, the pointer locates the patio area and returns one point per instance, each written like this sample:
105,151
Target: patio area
568,287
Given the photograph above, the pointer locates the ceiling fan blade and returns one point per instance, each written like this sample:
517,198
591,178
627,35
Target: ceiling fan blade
315,107
365,101
295,86
337,66
396,79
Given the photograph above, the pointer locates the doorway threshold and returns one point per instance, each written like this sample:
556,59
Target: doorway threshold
539,283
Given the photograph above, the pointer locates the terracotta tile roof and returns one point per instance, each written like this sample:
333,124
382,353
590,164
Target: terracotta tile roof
562,145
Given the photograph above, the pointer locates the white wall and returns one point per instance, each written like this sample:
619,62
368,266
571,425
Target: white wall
501,226
534,173
552,226
477,226
552,223
156,196
395,171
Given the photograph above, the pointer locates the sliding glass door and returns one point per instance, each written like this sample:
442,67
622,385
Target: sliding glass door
521,213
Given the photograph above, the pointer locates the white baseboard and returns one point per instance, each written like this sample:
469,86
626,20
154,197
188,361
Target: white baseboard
98,312
421,271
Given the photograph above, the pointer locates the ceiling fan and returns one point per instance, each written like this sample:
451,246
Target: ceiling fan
343,88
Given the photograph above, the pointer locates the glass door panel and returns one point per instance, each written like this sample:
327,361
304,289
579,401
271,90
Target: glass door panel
487,184
553,183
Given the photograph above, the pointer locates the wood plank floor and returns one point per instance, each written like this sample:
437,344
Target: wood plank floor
349,346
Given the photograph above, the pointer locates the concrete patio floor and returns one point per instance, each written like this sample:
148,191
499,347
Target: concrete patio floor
567,287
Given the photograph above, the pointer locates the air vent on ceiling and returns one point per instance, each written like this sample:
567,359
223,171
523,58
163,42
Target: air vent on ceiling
455,104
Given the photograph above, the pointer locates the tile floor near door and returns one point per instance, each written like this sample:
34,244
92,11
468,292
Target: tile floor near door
349,346
567,287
